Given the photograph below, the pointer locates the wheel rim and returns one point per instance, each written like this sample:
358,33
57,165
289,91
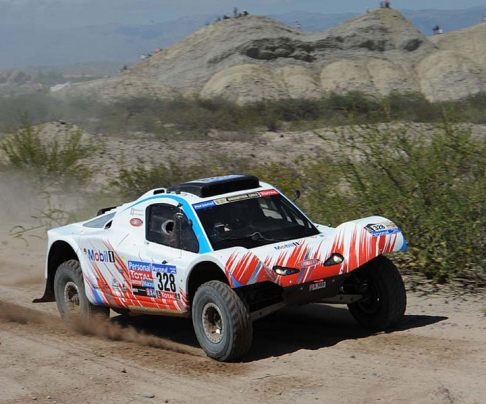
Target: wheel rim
370,304
212,321
71,298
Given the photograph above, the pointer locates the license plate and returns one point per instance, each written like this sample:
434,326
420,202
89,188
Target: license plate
317,286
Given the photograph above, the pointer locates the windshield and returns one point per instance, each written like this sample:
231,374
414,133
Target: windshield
252,220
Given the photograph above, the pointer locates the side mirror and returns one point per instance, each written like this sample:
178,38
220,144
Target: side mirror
297,195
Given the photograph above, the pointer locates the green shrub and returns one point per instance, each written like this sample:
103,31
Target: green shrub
182,117
54,159
135,181
432,185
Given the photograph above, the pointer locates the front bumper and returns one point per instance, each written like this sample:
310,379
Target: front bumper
314,291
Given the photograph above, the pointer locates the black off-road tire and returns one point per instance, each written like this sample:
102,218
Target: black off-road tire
385,301
217,299
69,276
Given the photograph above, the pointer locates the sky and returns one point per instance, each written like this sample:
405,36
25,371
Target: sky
170,9
177,8
324,6
47,32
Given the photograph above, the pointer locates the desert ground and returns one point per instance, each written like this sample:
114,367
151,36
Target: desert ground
314,353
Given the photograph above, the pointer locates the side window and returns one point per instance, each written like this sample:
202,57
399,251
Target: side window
163,228
188,239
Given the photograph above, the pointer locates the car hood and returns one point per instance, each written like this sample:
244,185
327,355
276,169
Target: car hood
357,241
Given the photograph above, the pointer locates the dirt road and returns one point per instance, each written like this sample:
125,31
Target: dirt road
312,354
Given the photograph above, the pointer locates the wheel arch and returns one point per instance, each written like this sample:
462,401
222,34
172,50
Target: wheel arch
60,251
201,273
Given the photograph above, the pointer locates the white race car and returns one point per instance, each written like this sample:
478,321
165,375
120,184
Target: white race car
226,251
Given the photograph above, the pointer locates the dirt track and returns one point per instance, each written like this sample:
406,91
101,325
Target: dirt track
310,354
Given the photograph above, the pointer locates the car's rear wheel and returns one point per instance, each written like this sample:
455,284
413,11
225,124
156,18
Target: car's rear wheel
384,297
70,294
221,322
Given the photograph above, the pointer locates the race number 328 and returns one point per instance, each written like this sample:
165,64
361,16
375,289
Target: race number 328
165,282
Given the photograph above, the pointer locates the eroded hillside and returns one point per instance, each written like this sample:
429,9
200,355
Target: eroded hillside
254,58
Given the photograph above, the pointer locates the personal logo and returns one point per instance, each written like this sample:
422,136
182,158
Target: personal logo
136,222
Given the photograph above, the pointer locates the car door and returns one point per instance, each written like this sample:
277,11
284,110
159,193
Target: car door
169,246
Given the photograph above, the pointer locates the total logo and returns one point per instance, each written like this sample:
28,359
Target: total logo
100,256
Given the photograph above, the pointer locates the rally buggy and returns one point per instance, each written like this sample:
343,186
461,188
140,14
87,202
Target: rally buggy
224,251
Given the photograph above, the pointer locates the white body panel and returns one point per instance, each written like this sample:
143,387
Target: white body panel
122,269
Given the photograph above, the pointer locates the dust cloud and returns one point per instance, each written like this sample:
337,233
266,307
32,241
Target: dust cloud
20,198
116,332
99,328
17,314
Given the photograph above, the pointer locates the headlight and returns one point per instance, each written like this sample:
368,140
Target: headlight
334,259
284,271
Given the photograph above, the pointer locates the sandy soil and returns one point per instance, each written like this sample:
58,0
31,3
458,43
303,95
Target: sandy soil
315,353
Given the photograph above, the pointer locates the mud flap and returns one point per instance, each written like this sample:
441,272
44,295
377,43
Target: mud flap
47,297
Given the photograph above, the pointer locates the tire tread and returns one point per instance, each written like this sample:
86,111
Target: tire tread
384,271
242,334
91,309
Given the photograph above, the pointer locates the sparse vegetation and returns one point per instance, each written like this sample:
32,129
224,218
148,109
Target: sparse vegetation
189,118
431,185
47,159
135,181
51,215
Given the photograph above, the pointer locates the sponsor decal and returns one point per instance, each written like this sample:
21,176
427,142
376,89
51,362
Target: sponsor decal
380,229
203,205
136,212
268,192
141,278
317,285
100,256
153,280
287,245
147,292
236,198
309,263
242,197
136,222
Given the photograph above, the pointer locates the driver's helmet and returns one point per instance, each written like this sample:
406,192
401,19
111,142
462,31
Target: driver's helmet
168,233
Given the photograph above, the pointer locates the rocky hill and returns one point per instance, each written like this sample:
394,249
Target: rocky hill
15,82
253,58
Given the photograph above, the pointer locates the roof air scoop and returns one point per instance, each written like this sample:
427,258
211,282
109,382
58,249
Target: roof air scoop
207,187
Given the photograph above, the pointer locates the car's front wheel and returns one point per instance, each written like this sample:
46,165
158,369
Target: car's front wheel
70,295
384,298
221,322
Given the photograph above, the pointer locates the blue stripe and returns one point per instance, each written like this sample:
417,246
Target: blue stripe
404,245
236,284
254,276
98,299
204,245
